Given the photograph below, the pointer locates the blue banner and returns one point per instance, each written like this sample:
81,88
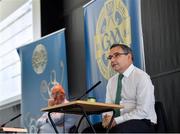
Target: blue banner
107,22
43,64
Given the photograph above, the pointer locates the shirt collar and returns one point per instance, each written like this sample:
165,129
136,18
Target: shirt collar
128,70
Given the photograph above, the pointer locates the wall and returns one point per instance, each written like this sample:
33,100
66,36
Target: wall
9,6
161,33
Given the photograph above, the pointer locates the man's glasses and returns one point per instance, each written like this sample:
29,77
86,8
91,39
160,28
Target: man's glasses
116,55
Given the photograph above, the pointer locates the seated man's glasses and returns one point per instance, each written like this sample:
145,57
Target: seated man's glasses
116,55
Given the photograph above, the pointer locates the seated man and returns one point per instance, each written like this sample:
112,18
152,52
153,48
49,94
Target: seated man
62,121
132,88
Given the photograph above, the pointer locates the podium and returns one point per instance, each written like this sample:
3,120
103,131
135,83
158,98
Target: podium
12,130
84,108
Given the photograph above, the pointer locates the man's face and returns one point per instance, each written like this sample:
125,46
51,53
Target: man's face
120,60
58,97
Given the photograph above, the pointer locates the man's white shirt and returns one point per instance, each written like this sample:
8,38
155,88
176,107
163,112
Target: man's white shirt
137,95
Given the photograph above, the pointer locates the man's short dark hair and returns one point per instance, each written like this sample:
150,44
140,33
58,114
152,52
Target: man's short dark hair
125,48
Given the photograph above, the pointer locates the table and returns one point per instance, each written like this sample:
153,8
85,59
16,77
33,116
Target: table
84,108
13,130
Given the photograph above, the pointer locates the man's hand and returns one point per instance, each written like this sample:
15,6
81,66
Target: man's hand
51,102
106,120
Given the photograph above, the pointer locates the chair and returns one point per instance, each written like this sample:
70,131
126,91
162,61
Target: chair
162,124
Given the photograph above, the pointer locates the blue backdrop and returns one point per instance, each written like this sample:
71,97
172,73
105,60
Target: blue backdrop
107,22
43,64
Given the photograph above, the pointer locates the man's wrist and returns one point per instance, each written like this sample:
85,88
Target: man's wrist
119,119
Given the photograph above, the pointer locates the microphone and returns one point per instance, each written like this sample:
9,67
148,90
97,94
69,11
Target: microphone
84,94
11,120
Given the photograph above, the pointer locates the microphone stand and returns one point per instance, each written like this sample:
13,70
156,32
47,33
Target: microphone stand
10,120
88,90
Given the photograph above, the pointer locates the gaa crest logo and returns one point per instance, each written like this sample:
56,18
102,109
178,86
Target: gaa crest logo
39,59
113,26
